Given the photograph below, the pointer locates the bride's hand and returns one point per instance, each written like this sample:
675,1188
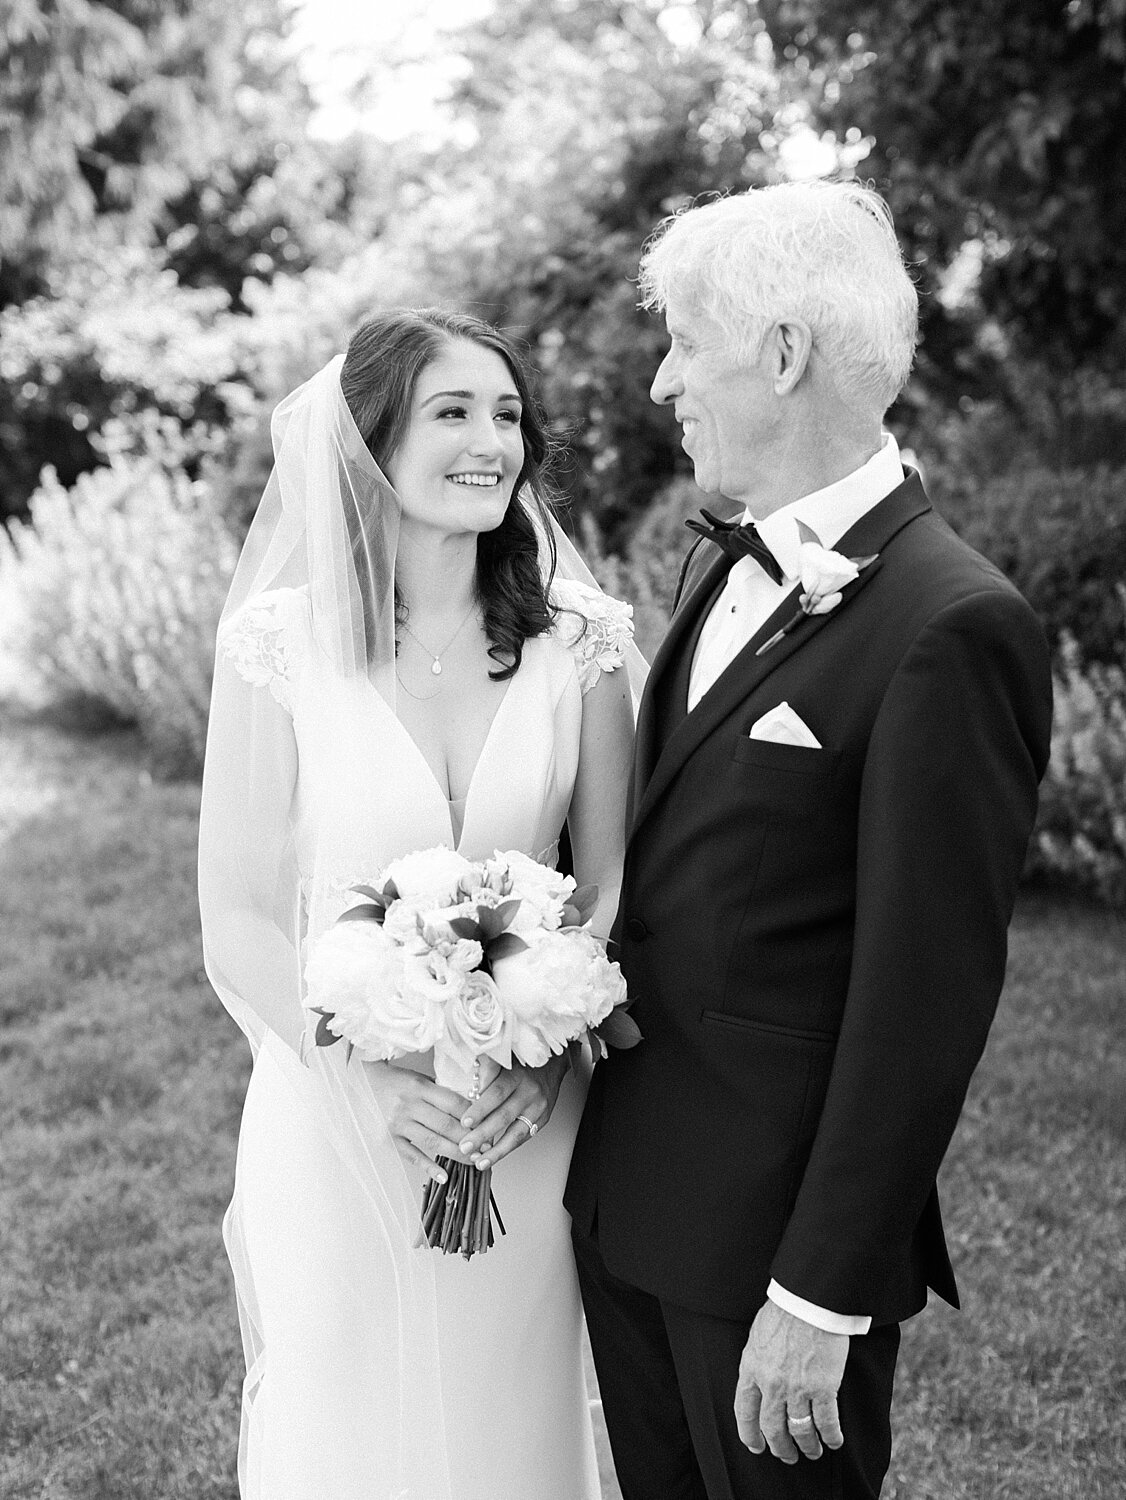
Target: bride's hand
496,1122
422,1117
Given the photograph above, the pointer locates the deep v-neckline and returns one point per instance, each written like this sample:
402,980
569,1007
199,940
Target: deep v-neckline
456,839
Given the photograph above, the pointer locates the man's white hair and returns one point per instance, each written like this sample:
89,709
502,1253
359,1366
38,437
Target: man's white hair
824,252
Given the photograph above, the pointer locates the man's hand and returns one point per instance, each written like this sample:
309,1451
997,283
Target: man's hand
789,1374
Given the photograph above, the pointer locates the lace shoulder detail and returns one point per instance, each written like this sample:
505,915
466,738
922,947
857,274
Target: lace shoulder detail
260,640
595,627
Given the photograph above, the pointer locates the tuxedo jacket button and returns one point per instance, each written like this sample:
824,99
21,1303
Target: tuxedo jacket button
636,929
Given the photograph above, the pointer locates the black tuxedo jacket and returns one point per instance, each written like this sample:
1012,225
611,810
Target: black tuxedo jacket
815,940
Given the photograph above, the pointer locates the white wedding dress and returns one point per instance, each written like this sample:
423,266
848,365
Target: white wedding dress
378,1370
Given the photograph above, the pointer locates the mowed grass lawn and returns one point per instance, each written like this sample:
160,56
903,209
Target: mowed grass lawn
121,1081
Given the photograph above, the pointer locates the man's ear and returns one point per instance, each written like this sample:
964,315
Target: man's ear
791,343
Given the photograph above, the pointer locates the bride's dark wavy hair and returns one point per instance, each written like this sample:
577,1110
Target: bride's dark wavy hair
383,361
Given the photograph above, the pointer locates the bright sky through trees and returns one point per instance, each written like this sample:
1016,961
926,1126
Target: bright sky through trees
347,47
347,51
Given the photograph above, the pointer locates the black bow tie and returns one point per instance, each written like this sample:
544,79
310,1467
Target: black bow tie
738,541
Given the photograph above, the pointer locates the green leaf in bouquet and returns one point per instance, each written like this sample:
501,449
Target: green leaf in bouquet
582,902
371,893
504,945
466,927
365,913
495,919
619,1029
384,898
323,1036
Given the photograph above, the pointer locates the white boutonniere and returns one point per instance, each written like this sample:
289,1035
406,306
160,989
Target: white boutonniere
824,576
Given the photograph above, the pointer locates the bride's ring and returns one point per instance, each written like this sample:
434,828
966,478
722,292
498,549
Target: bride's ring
531,1124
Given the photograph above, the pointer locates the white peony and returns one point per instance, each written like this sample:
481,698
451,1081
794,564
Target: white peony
355,973
552,991
543,892
403,924
429,876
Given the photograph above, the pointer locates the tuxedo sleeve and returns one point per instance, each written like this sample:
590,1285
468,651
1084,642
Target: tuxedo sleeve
947,804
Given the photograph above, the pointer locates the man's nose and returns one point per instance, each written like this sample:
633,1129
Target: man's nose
666,383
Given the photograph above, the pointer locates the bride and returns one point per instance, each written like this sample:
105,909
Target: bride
411,655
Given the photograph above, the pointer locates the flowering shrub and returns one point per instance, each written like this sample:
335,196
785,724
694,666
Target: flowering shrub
1080,837
113,592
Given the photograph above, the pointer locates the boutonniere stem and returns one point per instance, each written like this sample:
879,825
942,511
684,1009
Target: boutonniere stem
824,576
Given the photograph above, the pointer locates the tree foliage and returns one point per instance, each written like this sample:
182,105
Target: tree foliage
112,111
148,148
173,243
589,121
997,133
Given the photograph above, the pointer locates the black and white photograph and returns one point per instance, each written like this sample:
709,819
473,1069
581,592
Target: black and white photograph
562,750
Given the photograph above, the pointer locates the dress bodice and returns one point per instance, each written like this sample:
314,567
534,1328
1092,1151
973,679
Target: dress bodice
366,795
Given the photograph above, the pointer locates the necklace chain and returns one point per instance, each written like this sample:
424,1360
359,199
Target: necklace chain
418,697
436,658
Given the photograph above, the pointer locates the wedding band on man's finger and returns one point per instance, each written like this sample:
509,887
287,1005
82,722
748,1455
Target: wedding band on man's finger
802,1422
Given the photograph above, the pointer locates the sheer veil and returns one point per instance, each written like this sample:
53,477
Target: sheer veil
327,526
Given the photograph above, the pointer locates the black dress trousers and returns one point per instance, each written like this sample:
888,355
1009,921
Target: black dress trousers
667,1377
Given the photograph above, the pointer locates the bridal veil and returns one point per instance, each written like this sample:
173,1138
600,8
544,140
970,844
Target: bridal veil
328,523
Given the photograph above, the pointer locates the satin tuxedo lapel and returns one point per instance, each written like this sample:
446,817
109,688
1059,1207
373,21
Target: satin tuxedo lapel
666,690
871,534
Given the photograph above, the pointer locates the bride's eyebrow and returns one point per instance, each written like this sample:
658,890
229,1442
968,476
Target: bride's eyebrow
466,396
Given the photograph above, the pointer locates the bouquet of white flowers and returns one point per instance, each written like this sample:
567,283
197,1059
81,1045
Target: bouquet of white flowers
488,962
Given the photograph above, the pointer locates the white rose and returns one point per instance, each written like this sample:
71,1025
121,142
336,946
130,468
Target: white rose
475,1028
823,575
428,876
355,973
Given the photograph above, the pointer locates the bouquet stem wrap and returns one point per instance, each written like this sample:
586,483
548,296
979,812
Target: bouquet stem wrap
457,1215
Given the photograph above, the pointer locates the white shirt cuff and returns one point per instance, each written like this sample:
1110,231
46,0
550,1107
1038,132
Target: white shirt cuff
820,1317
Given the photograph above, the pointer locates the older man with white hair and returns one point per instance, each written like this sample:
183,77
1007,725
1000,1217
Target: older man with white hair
836,775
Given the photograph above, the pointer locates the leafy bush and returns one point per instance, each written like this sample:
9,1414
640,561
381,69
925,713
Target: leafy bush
1060,536
112,594
1080,837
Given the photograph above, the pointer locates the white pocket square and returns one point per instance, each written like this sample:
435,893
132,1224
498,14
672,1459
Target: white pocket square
782,726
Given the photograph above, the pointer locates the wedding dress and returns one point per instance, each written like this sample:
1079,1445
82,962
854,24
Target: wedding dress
378,1370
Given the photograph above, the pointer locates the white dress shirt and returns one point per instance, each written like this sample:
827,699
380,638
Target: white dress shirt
750,597
748,600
